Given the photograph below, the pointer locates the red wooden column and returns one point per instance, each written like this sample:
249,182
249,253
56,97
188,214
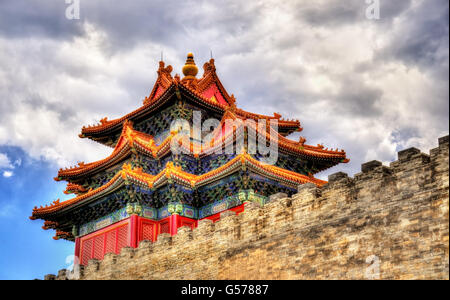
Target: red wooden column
174,220
133,231
77,259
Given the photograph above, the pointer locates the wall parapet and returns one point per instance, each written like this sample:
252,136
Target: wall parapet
397,213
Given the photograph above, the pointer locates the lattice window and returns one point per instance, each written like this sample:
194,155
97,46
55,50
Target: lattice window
110,242
147,231
86,248
164,227
122,237
98,246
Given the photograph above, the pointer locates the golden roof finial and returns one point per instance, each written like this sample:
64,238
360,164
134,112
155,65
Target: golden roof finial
190,70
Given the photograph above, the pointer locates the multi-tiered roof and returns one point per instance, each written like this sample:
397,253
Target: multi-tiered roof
142,170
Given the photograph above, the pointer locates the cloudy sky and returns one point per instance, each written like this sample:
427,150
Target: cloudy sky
369,86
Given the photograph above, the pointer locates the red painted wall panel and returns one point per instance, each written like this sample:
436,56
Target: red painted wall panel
86,250
99,245
130,232
147,229
164,226
110,239
110,245
122,238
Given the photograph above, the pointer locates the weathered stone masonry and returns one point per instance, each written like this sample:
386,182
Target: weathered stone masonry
398,213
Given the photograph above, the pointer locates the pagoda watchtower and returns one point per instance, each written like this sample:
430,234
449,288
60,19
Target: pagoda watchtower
145,187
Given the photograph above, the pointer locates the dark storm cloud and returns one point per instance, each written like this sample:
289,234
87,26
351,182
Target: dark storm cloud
170,23
127,23
21,18
317,61
35,102
130,22
405,133
332,12
424,40
355,98
337,12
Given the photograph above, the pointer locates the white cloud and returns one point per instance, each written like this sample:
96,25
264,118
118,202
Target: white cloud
347,79
5,162
18,162
46,117
7,174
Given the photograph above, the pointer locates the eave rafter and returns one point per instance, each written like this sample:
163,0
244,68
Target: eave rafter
128,175
74,189
131,139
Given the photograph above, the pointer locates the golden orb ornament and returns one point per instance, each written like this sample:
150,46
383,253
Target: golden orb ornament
190,70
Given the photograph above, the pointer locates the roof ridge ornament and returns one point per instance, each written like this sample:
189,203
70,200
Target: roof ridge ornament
190,70
209,66
302,141
232,100
104,120
166,70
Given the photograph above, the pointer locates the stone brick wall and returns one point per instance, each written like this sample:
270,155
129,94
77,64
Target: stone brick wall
394,217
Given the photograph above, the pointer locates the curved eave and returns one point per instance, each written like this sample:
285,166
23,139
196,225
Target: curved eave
85,170
121,151
108,126
74,188
112,185
128,175
145,144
